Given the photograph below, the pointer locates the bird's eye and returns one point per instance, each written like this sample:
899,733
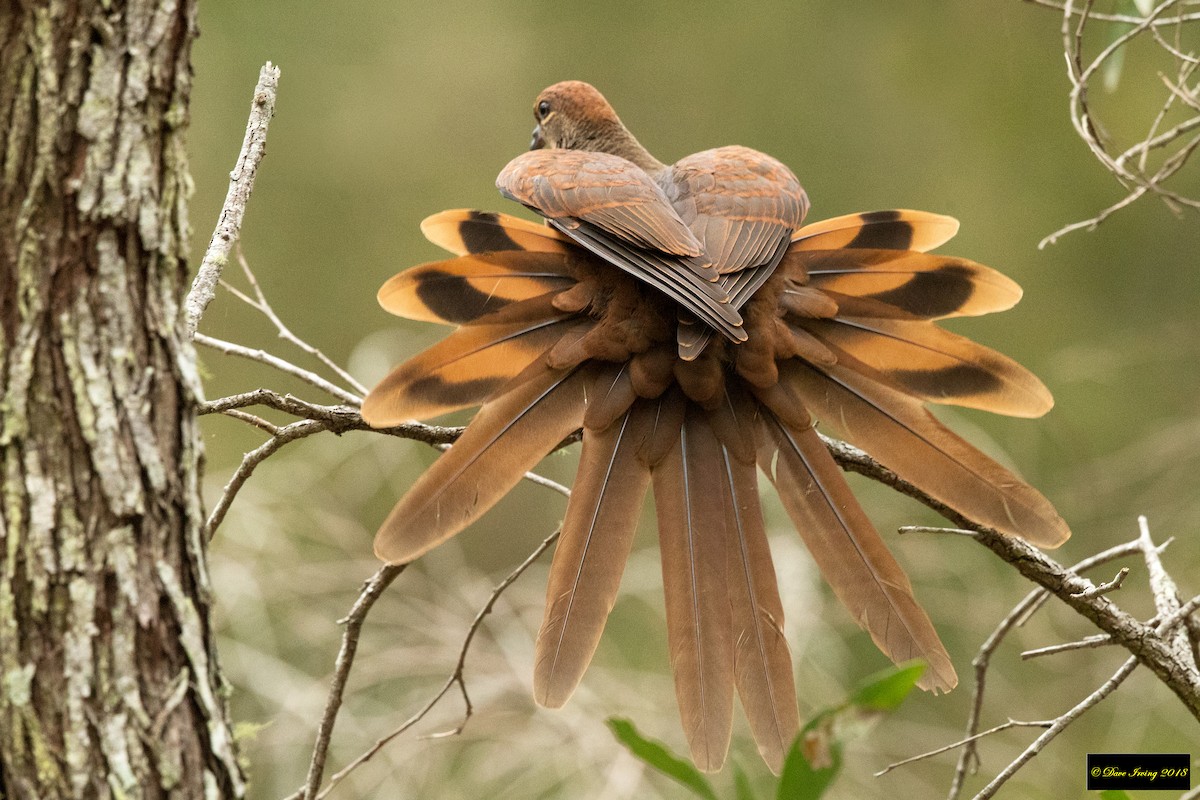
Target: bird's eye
543,108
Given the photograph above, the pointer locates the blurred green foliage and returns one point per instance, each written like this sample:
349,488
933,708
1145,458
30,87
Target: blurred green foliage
389,112
815,757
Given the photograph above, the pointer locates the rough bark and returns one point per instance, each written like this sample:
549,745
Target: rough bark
109,684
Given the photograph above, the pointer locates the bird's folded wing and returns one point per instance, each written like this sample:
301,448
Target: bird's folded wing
738,202
741,286
610,192
703,298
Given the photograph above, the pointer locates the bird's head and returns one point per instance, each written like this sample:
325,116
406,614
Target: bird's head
572,115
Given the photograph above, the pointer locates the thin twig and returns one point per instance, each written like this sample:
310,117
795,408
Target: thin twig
241,183
1136,183
933,529
1012,723
263,357
1106,587
1099,640
250,461
372,590
1125,18
252,419
456,677
1058,727
259,303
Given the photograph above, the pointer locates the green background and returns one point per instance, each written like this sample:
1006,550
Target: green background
389,112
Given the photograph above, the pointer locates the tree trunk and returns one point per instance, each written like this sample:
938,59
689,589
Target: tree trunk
109,684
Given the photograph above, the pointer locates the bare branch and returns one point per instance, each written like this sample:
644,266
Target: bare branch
263,357
259,303
969,757
456,677
1063,583
372,590
1136,182
1012,723
1099,640
1058,727
1106,587
241,183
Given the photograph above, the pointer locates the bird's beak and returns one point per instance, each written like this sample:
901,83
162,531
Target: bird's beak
537,142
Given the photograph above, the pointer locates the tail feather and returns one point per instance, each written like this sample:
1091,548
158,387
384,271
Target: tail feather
861,407
597,534
937,366
762,661
905,284
507,438
894,230
464,290
849,552
460,371
693,540
463,231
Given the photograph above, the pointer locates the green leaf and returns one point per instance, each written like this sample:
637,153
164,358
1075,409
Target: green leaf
657,755
800,780
741,784
886,690
1114,794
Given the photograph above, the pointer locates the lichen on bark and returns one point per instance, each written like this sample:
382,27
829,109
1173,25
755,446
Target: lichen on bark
109,681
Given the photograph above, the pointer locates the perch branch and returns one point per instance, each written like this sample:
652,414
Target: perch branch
1063,583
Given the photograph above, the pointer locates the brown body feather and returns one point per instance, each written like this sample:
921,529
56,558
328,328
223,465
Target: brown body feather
683,318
